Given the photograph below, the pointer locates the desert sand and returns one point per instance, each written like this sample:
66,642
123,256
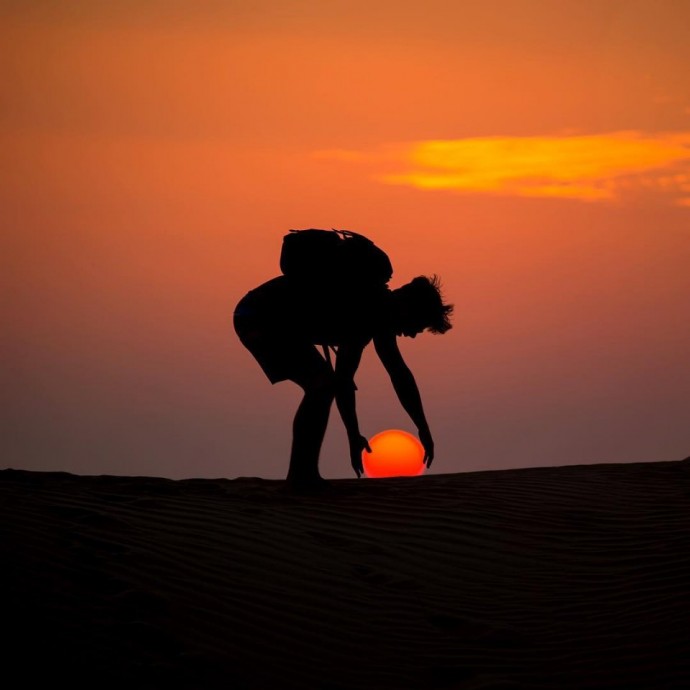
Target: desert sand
553,578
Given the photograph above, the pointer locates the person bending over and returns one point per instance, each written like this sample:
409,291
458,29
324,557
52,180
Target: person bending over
281,324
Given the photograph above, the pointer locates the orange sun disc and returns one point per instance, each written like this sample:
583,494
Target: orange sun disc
394,453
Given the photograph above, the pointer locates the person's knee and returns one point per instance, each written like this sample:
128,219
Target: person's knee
321,386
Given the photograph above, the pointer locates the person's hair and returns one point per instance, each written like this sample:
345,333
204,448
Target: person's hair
426,299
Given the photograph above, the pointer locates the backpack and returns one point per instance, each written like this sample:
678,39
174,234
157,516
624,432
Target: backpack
334,259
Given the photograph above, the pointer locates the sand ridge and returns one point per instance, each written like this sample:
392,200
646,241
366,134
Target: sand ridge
569,577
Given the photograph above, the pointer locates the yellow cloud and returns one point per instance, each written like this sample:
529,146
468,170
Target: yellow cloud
588,167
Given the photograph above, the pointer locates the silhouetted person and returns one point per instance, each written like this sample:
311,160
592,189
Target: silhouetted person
280,324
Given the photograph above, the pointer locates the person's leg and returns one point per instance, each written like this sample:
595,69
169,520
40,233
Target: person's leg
309,426
290,358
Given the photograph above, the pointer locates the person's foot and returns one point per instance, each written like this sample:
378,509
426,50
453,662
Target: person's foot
308,485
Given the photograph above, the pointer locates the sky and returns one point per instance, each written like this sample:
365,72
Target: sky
533,154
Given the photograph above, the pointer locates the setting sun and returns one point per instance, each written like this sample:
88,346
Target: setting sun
394,453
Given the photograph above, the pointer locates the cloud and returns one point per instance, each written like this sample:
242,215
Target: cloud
592,167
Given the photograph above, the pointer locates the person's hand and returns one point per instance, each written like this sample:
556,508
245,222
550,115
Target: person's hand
357,445
428,443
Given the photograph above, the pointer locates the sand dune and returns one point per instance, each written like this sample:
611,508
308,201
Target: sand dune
572,577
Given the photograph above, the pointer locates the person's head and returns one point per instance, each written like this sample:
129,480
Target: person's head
419,306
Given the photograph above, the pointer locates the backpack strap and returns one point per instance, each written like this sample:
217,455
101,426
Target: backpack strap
327,355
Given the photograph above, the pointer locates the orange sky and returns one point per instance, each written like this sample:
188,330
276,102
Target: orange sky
534,154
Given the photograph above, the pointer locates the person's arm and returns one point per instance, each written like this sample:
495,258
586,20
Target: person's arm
346,364
405,388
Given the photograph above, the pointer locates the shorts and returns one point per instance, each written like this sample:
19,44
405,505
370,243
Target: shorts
281,353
